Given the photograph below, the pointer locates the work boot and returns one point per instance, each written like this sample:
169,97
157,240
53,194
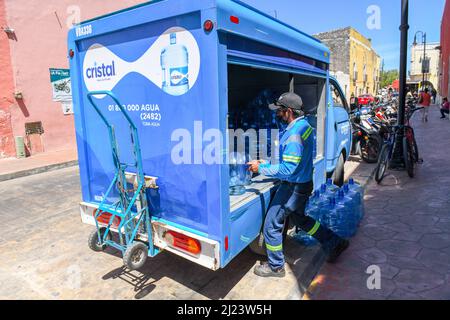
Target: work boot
335,251
264,270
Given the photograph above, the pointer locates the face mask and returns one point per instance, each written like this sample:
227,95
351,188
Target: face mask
281,119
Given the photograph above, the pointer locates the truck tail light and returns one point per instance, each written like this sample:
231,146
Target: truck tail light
104,218
226,243
234,19
183,242
208,26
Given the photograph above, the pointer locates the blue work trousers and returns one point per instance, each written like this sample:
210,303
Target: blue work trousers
289,201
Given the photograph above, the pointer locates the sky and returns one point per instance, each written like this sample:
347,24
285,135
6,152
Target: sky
324,15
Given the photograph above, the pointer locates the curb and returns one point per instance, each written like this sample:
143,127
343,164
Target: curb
29,172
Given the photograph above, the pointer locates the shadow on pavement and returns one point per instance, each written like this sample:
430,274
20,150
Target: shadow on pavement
197,281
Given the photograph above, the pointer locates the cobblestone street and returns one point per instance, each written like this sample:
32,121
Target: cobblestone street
406,230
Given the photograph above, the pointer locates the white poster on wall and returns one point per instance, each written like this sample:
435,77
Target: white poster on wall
61,87
67,107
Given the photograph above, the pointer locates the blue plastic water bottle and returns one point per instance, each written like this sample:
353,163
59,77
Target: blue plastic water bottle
354,205
331,186
312,207
325,211
347,214
312,210
305,239
175,70
359,197
323,200
335,218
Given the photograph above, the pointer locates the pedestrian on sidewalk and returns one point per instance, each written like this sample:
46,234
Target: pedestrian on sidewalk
425,102
445,108
434,94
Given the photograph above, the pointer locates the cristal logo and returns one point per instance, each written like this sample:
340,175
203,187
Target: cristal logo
101,71
176,77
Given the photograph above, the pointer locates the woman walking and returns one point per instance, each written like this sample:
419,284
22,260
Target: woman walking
425,102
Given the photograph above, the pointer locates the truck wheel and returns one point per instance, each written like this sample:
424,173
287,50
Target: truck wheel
94,242
338,174
135,256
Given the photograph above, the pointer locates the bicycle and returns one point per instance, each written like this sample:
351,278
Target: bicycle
409,146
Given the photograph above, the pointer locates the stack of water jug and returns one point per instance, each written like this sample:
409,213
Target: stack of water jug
338,209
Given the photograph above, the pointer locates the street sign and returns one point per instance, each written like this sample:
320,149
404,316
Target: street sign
60,80
426,65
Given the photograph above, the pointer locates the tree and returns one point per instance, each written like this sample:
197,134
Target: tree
387,77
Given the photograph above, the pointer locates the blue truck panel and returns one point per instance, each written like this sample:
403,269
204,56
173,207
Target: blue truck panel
125,61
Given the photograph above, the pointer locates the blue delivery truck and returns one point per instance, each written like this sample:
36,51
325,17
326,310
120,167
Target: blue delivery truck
157,89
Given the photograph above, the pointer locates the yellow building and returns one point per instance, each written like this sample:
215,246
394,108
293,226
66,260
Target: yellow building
354,62
365,65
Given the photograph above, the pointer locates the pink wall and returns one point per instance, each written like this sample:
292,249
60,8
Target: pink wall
445,51
41,43
7,147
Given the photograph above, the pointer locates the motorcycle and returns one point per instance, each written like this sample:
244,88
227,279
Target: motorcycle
366,140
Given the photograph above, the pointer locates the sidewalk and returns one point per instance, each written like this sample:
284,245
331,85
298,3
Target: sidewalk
406,230
12,168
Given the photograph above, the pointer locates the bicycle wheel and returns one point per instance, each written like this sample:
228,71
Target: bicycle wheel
415,150
408,157
382,163
411,137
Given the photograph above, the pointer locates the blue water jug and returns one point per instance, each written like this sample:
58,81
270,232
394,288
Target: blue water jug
357,192
313,206
305,239
331,186
312,210
334,218
350,219
356,206
175,67
239,174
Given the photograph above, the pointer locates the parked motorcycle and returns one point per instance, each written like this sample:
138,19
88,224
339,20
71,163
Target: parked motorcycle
366,140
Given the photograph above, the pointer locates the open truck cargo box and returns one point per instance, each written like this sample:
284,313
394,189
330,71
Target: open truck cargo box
171,76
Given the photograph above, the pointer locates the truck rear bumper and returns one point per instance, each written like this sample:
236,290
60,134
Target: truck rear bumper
208,257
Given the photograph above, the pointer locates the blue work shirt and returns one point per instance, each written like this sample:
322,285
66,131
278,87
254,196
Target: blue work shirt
296,154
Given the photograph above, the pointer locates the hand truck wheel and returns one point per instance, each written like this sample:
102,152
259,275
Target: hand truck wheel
94,242
135,255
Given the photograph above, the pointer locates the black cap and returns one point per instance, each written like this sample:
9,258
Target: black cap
287,100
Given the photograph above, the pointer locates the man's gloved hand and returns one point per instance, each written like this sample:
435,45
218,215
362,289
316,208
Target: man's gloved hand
254,165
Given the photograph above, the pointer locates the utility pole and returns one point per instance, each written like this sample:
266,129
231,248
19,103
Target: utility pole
403,57
424,62
398,160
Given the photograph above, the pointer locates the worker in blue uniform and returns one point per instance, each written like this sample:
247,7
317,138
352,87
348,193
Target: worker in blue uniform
295,170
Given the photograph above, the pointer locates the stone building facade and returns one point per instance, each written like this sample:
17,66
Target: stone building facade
354,62
432,56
